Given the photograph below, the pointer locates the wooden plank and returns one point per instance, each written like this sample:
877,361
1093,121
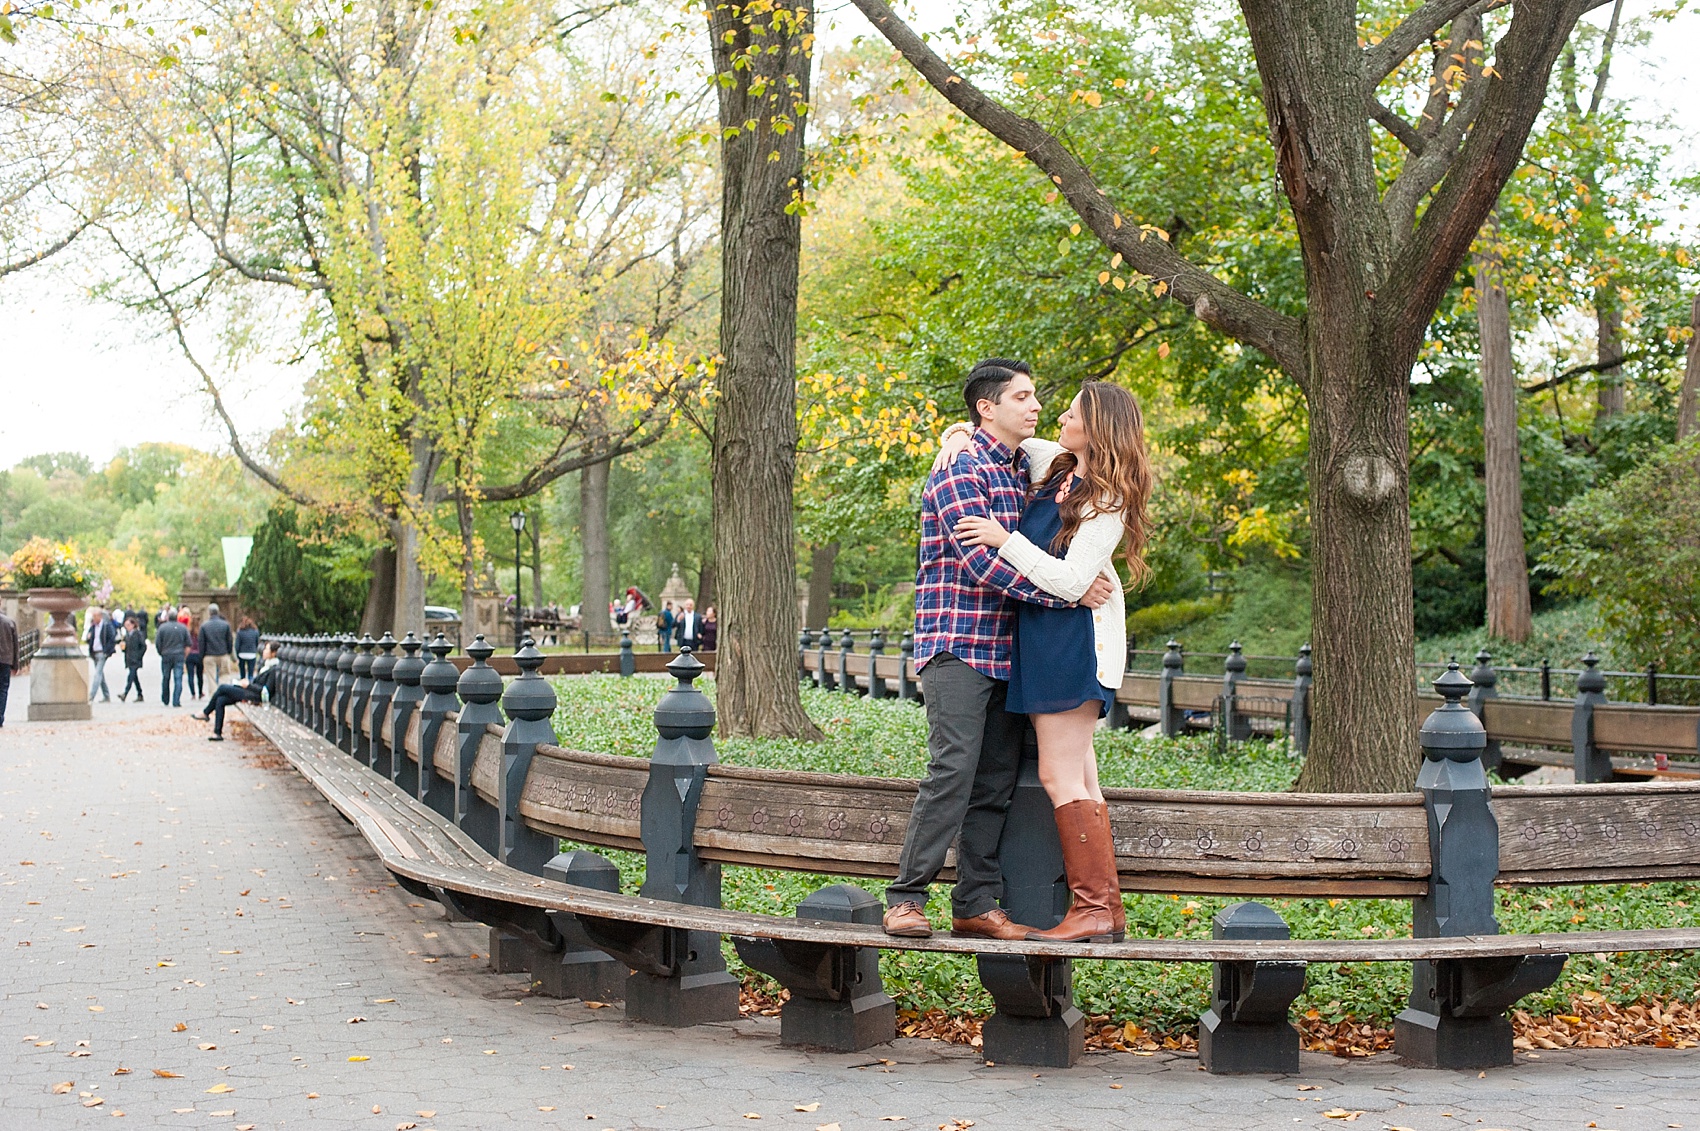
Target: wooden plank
386,727
598,801
582,663
1139,689
1608,826
1532,721
487,765
1650,729
447,758
410,740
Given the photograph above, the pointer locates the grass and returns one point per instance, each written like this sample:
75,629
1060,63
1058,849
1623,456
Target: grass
611,715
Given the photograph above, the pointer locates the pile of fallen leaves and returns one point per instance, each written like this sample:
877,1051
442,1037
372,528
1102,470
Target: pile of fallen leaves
1593,1023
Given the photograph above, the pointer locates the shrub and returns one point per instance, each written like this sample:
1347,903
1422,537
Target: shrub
40,564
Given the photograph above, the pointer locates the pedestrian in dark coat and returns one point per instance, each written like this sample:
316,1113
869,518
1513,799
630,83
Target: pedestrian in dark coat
135,647
8,660
171,641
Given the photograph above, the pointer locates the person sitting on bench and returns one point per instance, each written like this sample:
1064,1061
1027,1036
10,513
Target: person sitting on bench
242,691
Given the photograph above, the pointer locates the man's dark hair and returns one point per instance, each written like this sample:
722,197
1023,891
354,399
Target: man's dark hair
988,380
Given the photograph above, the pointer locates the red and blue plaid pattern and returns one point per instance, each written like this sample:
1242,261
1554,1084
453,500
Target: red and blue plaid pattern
962,593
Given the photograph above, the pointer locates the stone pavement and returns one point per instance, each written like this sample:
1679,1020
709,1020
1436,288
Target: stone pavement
196,940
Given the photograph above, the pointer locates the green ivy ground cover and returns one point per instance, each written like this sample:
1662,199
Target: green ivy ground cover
611,715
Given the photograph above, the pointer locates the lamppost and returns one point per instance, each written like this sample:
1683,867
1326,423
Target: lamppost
517,521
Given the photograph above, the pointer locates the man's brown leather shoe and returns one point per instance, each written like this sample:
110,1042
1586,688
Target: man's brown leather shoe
907,920
994,924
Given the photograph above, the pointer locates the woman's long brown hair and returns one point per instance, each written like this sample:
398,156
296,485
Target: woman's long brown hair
1118,474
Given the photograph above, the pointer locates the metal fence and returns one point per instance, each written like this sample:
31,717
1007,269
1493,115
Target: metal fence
28,643
1650,686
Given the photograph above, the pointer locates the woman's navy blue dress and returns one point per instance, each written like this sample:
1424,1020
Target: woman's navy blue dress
1054,661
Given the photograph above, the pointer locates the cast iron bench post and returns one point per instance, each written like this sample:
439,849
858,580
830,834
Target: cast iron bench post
360,698
300,707
837,1000
438,681
1303,670
337,694
479,687
322,673
678,975
378,705
1592,763
823,673
877,688
408,695
580,970
529,702
846,681
906,687
1483,681
1456,1014
804,635
628,660
1036,1021
1235,726
1171,719
1246,1028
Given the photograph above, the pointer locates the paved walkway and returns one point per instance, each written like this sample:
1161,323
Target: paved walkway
196,940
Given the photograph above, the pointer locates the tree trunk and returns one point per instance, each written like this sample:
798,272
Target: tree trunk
1688,404
1507,564
821,559
706,589
1609,318
534,530
380,598
468,566
409,613
762,59
593,535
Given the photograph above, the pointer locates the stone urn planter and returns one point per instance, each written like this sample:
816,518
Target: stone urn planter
59,674
59,604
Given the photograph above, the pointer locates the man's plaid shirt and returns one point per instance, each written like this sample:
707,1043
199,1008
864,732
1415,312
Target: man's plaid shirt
962,593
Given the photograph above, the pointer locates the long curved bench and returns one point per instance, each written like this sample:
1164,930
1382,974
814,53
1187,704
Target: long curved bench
472,811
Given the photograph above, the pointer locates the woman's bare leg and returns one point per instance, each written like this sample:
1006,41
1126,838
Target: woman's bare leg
1068,767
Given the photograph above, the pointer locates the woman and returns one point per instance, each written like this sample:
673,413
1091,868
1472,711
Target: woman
247,648
135,647
257,689
192,660
710,629
1089,500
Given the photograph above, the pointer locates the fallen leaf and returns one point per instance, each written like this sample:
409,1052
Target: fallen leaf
244,891
1309,1088
426,1114
405,1126
206,1047
223,1114
828,1127
45,1044
807,1107
893,1118
41,1005
181,1110
383,1001
312,1095
751,1115
1341,1113
120,1071
545,1109
167,1074
64,1086
179,1028
244,1127
96,1102
357,1059
219,1089
1116,1087
489,1052
376,1110
355,1020
596,1005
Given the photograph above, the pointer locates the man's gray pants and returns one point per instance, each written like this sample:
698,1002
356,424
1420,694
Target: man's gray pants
974,755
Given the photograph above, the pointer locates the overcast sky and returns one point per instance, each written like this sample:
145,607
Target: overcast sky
77,374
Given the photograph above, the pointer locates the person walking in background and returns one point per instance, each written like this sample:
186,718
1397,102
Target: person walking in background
218,643
710,629
171,641
135,647
689,626
192,670
242,691
101,636
247,648
8,660
664,628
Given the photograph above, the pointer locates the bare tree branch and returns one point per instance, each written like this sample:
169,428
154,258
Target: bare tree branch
1146,251
1604,71
1574,371
1425,169
45,253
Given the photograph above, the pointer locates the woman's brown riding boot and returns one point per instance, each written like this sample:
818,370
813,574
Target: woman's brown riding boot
1118,910
1089,861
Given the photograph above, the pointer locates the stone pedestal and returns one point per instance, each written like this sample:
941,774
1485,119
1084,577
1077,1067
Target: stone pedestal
59,674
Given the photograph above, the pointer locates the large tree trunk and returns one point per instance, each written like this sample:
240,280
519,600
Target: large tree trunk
593,536
1688,404
409,582
821,559
1608,315
380,597
468,566
762,59
1507,563
534,531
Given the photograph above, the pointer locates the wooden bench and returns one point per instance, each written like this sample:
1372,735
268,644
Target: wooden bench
481,823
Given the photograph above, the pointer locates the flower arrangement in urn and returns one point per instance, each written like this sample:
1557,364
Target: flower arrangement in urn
40,564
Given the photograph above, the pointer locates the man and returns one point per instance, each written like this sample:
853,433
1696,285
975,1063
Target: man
689,626
664,628
242,691
218,643
963,621
8,660
102,640
135,648
171,641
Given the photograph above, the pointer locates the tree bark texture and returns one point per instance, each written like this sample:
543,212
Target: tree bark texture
762,59
821,559
380,598
534,531
593,535
1608,315
468,565
1508,610
409,581
1688,403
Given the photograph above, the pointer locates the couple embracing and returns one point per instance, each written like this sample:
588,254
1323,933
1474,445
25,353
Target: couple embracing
1018,618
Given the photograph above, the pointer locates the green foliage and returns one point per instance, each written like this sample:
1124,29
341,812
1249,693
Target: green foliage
40,564
304,574
1153,624
1635,547
611,715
